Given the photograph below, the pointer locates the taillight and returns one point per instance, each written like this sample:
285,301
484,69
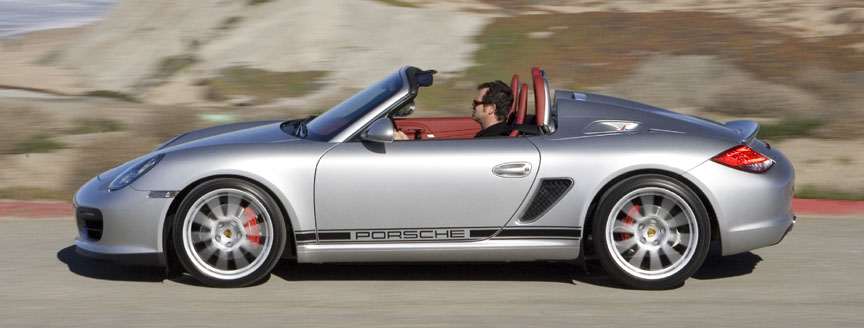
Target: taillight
744,159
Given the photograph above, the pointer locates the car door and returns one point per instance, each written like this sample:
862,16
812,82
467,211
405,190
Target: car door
422,189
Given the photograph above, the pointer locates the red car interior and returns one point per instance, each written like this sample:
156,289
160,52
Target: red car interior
438,127
514,86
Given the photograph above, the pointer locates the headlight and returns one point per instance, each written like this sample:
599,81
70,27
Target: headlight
134,172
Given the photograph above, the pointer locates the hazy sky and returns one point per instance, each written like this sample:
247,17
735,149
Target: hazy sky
20,16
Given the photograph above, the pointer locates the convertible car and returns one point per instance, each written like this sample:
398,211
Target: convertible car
584,176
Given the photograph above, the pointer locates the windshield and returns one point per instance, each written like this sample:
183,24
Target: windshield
332,122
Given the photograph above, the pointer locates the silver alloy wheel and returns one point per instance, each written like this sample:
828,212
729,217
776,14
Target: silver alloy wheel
227,234
652,233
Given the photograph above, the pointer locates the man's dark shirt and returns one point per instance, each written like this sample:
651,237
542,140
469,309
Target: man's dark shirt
495,130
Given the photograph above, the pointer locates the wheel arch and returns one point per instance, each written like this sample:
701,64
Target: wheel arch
290,250
595,203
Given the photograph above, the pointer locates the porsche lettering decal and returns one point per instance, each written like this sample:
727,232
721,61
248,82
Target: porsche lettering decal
431,234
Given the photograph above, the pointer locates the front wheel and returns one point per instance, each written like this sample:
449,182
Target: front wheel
651,232
229,233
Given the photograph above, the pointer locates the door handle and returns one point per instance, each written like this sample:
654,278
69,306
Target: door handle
512,170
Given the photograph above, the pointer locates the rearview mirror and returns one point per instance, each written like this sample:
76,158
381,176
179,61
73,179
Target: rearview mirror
381,131
406,110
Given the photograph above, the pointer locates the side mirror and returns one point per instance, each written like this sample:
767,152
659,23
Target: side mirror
381,131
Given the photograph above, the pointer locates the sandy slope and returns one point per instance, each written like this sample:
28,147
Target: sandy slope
808,18
22,62
356,40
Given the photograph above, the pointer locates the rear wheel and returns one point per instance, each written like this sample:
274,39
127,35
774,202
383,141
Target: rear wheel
652,232
229,233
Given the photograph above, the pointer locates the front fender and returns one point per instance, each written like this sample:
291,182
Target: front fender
286,169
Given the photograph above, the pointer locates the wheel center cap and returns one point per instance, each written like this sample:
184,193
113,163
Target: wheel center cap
227,233
651,232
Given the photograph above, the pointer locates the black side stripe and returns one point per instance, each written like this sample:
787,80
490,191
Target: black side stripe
483,233
546,233
301,237
334,235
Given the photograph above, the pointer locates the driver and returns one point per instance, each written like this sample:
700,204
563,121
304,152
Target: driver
490,108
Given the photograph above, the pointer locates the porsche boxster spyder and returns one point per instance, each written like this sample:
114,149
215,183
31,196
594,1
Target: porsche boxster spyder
584,176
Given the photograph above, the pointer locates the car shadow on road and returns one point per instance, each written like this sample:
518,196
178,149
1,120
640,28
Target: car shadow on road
591,273
558,272
718,267
96,269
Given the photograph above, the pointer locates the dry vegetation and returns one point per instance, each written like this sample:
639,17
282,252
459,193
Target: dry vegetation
96,144
104,153
261,85
781,75
21,126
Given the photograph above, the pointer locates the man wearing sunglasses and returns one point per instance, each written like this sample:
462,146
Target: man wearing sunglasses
490,108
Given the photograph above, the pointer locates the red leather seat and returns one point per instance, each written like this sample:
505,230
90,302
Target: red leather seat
520,112
541,103
514,86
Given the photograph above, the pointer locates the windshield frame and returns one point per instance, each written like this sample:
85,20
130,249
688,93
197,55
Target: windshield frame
368,111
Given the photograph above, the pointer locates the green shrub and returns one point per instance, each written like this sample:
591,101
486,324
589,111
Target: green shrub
39,144
111,95
88,125
263,85
398,3
18,124
257,2
31,193
813,192
230,22
169,66
789,127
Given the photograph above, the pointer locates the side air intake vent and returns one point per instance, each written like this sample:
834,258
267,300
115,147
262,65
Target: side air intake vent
550,192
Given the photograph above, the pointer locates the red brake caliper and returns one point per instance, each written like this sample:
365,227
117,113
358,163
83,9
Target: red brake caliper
629,221
250,222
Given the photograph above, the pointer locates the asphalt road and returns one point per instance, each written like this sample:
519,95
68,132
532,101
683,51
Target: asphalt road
811,279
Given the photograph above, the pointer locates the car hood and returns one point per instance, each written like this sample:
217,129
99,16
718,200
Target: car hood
234,133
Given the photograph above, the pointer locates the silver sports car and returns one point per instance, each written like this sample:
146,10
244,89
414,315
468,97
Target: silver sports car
642,189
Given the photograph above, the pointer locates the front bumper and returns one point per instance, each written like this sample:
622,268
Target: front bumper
123,226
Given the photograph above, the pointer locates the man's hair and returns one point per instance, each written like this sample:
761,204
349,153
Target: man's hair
501,95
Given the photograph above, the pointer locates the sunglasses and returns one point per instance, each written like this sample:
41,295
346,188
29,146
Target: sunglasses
474,103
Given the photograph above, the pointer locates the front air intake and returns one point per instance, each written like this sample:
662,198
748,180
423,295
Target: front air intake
89,223
549,193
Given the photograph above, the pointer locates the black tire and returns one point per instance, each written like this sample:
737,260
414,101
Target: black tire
651,232
229,233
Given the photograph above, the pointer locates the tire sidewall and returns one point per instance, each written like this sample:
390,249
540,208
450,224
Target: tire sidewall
607,205
275,214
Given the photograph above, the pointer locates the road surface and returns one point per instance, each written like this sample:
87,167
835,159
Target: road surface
811,279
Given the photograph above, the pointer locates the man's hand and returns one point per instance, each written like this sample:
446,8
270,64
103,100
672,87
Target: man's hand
399,135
